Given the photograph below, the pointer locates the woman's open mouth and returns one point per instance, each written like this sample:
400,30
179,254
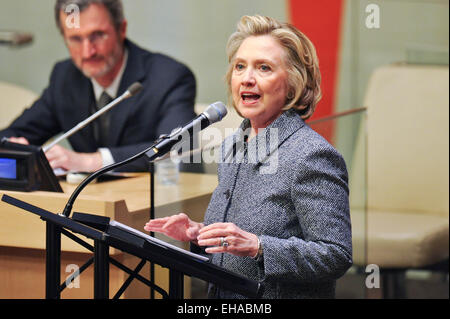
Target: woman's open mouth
250,97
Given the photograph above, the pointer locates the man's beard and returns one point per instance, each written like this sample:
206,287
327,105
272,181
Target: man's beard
110,62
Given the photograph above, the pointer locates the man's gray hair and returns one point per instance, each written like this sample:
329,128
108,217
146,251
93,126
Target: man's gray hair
114,7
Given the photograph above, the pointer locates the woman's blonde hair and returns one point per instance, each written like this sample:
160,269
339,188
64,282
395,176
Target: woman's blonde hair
301,60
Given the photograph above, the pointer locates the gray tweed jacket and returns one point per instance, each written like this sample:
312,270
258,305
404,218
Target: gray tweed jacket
289,186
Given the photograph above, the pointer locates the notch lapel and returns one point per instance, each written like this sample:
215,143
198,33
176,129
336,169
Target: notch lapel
134,71
79,109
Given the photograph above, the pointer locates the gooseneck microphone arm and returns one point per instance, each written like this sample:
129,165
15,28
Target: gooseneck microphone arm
91,177
214,113
132,90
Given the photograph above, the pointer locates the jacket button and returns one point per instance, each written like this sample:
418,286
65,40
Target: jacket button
227,194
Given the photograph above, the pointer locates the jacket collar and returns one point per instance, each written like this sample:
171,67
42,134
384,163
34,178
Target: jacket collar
135,70
267,142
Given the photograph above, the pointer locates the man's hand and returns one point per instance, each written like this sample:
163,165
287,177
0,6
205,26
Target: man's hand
59,157
19,140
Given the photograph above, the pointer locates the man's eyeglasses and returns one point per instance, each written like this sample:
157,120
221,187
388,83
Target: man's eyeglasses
94,38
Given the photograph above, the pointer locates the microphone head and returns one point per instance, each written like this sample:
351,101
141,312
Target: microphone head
134,88
215,112
15,38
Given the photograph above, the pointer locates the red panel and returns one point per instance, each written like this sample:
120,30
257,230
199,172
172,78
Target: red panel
320,21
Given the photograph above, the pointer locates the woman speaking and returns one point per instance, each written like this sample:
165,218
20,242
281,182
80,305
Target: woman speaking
287,226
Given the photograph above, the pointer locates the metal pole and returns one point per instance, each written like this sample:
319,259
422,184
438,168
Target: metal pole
52,261
176,284
101,270
151,168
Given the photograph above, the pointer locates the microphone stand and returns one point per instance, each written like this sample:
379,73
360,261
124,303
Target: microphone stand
82,124
131,91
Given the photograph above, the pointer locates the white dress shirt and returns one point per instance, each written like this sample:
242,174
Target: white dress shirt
107,158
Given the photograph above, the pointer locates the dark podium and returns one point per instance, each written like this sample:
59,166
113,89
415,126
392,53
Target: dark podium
105,234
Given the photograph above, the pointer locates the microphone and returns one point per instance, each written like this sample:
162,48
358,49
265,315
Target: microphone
15,38
132,90
214,113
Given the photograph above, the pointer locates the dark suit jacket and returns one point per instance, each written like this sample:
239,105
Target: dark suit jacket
165,102
291,190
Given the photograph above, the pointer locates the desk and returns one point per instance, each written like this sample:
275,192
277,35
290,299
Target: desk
22,235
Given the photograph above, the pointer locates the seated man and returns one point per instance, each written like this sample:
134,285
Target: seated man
103,64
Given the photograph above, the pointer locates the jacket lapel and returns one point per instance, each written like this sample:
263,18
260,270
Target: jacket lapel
83,99
134,71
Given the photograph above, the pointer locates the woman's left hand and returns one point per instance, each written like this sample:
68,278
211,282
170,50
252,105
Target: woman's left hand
238,242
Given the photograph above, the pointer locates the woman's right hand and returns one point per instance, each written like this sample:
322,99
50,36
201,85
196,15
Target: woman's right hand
178,227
